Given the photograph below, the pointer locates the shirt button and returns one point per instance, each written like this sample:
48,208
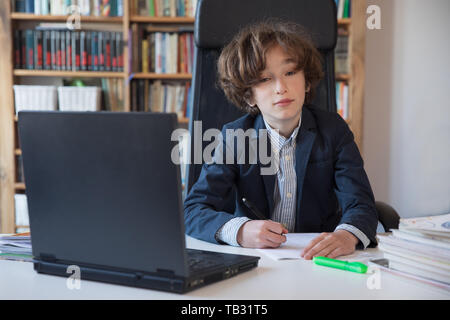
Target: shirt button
287,158
289,195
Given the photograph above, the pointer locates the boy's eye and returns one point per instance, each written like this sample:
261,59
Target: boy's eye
290,73
264,79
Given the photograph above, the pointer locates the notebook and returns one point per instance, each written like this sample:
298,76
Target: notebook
104,195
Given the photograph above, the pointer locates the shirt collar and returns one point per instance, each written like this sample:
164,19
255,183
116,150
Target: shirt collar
277,140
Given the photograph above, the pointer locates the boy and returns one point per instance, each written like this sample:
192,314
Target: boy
270,70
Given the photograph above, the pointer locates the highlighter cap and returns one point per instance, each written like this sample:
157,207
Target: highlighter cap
357,267
339,264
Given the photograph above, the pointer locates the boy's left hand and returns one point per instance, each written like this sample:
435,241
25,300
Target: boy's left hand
331,245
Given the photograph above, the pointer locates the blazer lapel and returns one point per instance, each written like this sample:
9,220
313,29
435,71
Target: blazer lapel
305,142
268,179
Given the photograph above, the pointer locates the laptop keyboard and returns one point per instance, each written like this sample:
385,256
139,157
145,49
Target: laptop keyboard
198,260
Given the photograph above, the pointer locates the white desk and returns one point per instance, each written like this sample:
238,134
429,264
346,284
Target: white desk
286,280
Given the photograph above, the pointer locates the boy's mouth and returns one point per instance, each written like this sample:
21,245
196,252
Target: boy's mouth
283,102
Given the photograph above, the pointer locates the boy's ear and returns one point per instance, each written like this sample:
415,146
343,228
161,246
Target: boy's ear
308,87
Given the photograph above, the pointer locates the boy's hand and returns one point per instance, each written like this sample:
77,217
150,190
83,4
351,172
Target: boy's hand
331,245
261,234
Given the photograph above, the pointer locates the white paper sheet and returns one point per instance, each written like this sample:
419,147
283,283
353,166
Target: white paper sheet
292,248
296,242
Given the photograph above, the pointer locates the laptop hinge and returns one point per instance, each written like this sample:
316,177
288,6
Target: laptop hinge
47,257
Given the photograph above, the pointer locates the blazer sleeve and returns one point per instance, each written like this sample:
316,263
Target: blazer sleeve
204,212
352,187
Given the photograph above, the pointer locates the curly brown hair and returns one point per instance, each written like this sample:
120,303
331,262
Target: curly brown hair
243,59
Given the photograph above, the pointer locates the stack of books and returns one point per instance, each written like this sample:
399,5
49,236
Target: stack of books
16,247
420,249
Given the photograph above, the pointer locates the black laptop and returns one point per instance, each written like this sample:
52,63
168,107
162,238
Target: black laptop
104,195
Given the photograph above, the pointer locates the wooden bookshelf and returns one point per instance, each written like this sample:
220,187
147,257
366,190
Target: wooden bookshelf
9,148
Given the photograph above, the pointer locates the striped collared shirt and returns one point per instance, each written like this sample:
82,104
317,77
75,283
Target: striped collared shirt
285,191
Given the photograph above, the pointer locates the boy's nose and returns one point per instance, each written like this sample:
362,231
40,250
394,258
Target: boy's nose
280,87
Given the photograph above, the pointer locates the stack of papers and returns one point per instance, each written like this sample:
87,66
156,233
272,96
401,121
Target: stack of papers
13,247
420,248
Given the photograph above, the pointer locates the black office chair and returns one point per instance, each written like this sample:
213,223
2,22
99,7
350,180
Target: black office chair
216,23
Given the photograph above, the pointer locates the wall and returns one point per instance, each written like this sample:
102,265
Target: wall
406,136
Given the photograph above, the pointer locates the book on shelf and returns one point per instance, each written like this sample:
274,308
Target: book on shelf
167,49
97,8
342,99
21,209
420,247
344,8
51,47
164,8
341,56
160,96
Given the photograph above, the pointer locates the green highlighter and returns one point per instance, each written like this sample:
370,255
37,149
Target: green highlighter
339,264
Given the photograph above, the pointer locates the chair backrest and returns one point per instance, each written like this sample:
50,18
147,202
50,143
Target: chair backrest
217,21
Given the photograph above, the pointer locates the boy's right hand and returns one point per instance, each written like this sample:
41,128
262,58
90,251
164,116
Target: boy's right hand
261,234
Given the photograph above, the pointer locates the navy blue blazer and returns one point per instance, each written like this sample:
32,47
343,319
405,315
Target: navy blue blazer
332,186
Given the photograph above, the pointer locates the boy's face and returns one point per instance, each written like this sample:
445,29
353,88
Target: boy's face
280,94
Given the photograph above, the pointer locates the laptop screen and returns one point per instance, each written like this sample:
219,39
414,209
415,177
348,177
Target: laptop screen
102,189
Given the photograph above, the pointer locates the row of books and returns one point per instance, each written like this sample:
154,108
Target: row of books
162,50
44,49
159,96
164,8
420,249
113,94
342,99
105,8
344,8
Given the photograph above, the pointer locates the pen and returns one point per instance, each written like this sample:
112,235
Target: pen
253,209
339,264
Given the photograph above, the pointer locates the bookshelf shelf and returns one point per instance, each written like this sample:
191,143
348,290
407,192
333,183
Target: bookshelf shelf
19,186
77,74
174,76
144,19
33,17
345,21
343,77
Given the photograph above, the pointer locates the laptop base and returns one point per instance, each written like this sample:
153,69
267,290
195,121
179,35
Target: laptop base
141,280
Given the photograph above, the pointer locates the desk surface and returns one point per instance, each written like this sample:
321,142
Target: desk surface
286,280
